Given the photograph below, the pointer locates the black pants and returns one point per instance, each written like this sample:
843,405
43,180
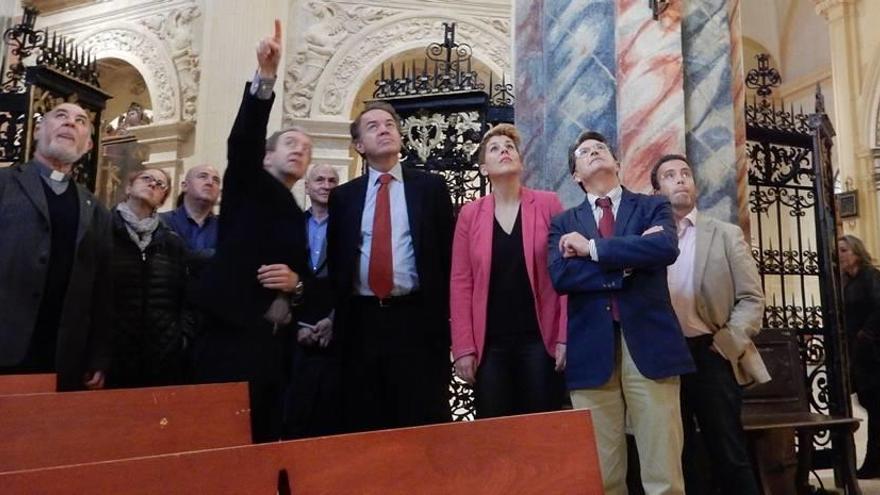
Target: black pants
257,355
517,379
711,400
396,366
870,400
313,401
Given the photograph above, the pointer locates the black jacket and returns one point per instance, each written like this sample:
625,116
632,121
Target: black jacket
861,297
152,326
431,225
83,329
260,224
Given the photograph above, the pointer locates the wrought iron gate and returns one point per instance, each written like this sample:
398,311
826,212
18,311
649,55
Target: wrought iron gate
445,109
794,241
62,72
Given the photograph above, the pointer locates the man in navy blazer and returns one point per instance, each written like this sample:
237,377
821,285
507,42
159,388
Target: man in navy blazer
625,348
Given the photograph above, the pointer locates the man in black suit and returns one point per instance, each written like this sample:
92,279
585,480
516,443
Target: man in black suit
389,248
55,244
250,288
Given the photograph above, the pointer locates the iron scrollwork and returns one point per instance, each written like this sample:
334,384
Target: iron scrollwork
23,40
791,224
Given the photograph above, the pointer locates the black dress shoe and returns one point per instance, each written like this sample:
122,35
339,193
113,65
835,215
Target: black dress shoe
868,472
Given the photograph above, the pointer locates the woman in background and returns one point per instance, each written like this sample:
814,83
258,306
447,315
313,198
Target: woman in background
861,301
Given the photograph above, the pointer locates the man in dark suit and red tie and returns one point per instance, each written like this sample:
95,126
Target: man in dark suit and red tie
389,242
625,348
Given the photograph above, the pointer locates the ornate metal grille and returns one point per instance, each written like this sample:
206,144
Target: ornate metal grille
794,244
62,73
445,108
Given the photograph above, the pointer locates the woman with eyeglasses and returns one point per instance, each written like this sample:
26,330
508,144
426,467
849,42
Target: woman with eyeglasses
508,323
151,327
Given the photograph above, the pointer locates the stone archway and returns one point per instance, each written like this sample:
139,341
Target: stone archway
145,52
324,77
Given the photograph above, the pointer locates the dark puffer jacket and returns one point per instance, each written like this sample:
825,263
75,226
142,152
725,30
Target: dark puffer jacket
152,324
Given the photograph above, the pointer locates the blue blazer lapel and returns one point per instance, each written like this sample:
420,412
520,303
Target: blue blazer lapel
584,216
624,212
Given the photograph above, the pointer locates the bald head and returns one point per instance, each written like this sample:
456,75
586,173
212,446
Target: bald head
202,183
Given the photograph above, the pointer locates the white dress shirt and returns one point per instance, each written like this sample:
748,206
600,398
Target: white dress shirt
614,195
680,276
403,256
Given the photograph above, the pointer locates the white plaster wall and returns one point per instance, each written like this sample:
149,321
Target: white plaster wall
806,47
231,32
761,22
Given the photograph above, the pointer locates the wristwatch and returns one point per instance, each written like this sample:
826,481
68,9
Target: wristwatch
296,295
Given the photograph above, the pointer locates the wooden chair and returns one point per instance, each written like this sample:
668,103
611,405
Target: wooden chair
778,412
54,429
539,453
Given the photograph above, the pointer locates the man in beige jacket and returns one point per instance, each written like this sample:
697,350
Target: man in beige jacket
716,293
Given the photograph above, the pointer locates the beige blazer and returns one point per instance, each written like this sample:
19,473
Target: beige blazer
729,297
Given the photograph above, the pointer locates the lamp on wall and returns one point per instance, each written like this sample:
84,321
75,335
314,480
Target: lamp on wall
658,7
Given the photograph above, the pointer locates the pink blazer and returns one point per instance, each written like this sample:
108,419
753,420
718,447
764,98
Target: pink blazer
472,263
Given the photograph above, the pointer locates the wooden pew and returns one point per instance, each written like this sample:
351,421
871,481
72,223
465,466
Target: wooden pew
41,430
539,453
27,384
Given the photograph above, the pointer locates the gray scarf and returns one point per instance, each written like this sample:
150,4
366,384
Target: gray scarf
139,229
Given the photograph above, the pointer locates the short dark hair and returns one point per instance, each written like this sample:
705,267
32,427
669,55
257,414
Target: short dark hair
272,140
595,136
655,171
355,127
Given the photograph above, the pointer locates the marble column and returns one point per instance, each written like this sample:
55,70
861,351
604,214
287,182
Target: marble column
671,85
853,158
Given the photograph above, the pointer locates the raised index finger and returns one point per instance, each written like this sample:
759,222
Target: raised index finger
277,36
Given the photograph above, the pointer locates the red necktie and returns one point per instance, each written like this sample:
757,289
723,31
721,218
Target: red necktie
606,229
381,274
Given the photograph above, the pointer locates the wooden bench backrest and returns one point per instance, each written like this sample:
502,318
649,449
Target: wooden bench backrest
27,384
786,392
539,453
41,430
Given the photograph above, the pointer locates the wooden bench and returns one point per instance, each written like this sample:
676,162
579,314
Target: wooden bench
27,384
778,412
539,453
53,429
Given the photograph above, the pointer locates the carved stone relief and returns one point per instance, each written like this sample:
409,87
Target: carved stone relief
157,70
342,42
175,29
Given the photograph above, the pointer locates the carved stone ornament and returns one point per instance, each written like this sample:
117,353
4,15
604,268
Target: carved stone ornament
175,29
158,71
823,6
342,42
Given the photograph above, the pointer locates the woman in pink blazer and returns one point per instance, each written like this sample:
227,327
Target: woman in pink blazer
508,323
